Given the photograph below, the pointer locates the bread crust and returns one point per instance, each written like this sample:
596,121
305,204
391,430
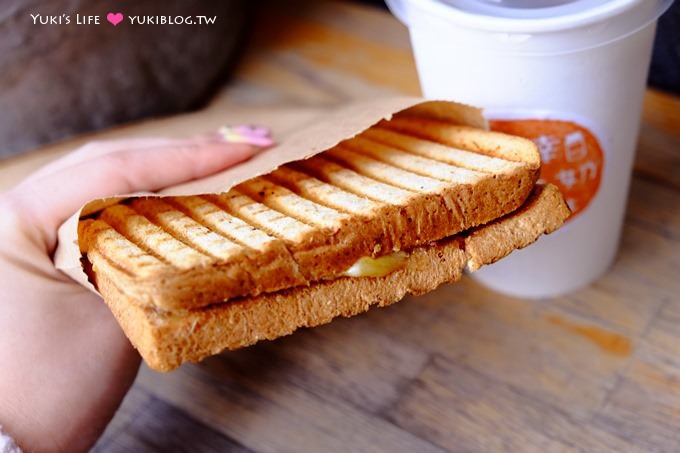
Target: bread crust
544,212
304,238
166,339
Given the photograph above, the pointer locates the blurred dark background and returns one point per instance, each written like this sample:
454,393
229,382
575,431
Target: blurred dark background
664,72
58,80
61,80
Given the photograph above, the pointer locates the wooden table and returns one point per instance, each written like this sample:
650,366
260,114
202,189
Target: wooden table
460,369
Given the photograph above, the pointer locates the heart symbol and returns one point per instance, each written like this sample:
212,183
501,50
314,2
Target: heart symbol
115,18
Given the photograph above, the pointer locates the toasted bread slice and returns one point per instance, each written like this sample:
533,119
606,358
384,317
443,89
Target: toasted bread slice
167,339
312,219
464,138
544,212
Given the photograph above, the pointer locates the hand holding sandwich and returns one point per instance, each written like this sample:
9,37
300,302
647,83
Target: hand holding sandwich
65,363
401,208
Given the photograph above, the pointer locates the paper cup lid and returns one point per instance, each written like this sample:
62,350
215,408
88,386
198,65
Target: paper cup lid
564,20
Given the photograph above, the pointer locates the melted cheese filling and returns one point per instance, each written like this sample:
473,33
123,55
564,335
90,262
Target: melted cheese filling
377,267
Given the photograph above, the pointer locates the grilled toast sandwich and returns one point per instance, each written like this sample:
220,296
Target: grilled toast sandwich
399,209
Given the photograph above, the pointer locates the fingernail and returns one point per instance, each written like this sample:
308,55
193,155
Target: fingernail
252,135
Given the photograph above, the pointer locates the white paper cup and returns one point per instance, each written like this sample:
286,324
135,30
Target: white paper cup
578,67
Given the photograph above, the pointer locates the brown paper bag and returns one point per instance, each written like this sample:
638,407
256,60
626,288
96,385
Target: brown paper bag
314,134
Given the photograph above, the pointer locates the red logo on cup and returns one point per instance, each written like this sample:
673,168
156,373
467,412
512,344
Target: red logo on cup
571,155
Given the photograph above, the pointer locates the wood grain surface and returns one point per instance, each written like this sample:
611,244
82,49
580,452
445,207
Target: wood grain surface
459,369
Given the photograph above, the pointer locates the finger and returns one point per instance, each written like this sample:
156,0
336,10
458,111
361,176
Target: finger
96,149
254,135
49,200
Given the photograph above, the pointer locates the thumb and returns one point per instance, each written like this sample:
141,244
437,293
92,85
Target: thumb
47,201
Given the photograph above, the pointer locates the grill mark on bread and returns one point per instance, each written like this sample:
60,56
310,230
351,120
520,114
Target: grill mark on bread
118,250
283,200
384,235
323,193
100,260
440,152
266,257
384,172
413,163
298,239
417,211
213,217
153,239
492,144
167,339
186,229
353,182
260,216
287,224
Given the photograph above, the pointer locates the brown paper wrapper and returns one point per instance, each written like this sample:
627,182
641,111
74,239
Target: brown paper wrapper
314,134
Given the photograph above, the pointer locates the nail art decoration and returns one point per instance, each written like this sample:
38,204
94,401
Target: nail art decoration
253,135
